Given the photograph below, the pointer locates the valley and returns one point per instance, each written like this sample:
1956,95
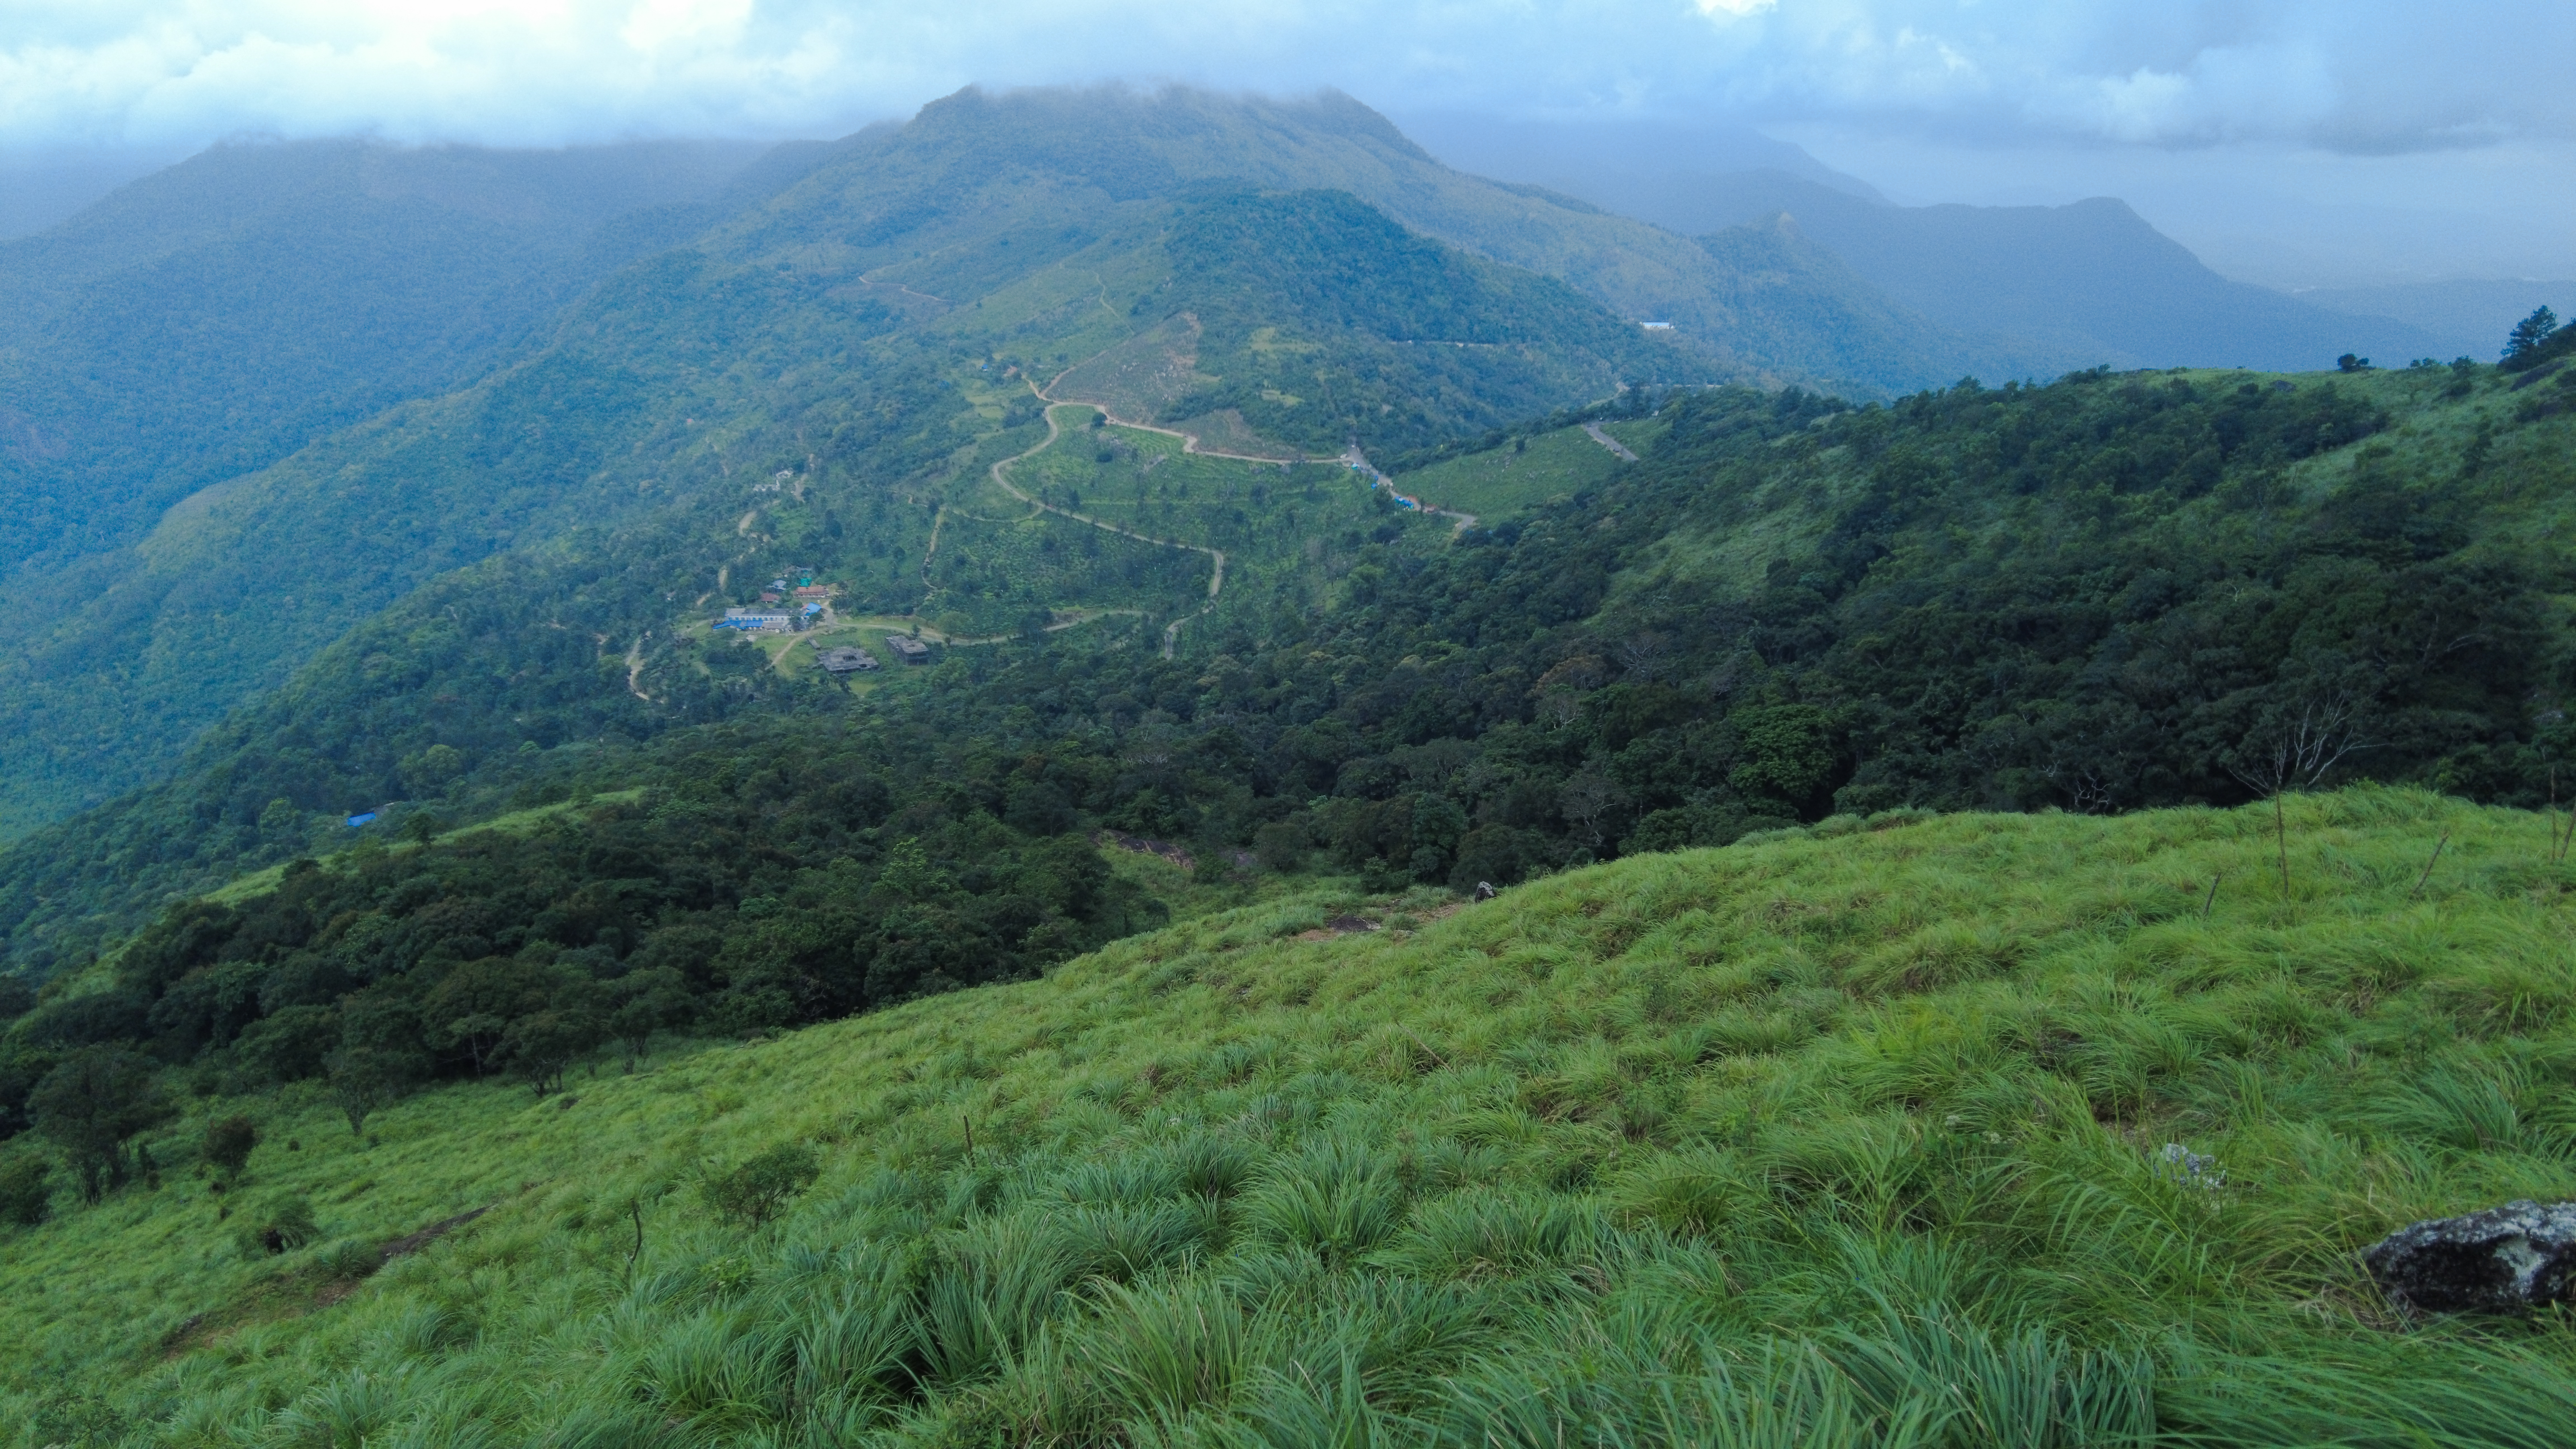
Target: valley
1417,856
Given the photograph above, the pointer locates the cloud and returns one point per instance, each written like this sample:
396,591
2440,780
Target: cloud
2354,75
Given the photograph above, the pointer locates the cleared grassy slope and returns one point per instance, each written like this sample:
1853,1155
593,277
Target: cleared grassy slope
1843,1136
1496,482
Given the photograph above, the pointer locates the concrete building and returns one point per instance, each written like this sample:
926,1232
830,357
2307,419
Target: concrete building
738,617
908,649
846,660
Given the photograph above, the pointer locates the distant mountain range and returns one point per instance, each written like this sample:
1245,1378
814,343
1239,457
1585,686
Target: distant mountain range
2469,319
2081,285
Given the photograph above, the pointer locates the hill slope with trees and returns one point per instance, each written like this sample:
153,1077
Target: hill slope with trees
2109,593
520,344
210,319
767,349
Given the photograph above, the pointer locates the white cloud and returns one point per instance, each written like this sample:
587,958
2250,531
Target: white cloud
2355,75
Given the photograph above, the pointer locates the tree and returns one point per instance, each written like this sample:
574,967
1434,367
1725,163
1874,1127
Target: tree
473,1006
90,1105
1787,754
2530,332
26,1189
1589,802
17,996
2350,363
290,1044
649,1001
228,1144
366,1078
379,1057
753,1192
540,1045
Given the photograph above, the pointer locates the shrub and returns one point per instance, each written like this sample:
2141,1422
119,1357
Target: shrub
754,1192
26,1189
229,1141
277,1225
1337,1199
351,1258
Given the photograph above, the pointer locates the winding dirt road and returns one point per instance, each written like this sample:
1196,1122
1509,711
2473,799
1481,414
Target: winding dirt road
1001,476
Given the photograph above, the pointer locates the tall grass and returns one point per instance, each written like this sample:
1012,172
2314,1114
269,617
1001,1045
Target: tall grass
1854,1137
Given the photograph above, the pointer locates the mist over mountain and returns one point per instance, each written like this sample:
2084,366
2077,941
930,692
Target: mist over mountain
2086,284
2467,318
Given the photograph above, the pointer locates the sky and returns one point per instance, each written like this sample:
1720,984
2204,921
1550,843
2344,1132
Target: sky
2293,141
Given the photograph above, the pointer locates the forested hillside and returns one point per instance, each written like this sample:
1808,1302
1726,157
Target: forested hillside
905,258
205,321
856,442
2113,592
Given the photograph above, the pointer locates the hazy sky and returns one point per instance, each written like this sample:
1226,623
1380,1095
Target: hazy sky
2416,127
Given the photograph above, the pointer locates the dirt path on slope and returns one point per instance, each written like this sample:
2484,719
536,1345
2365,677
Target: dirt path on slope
1001,476
1353,457
1189,441
1593,431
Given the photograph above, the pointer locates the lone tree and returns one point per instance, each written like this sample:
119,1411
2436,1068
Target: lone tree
2530,332
228,1144
378,1059
540,1045
89,1106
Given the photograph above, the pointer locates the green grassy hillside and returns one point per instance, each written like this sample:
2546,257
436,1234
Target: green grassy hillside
1851,1136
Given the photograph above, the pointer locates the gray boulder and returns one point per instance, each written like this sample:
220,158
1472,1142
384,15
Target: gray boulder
2502,1260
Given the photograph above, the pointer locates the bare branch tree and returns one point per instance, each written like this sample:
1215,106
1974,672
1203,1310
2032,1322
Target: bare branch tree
1646,656
1587,801
2298,755
2087,789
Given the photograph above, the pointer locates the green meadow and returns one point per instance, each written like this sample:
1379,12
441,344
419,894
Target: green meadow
1527,470
1917,1130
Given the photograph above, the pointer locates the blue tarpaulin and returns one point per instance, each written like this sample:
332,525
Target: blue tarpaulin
361,818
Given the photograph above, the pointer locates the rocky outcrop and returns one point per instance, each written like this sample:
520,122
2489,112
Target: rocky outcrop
2503,1260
